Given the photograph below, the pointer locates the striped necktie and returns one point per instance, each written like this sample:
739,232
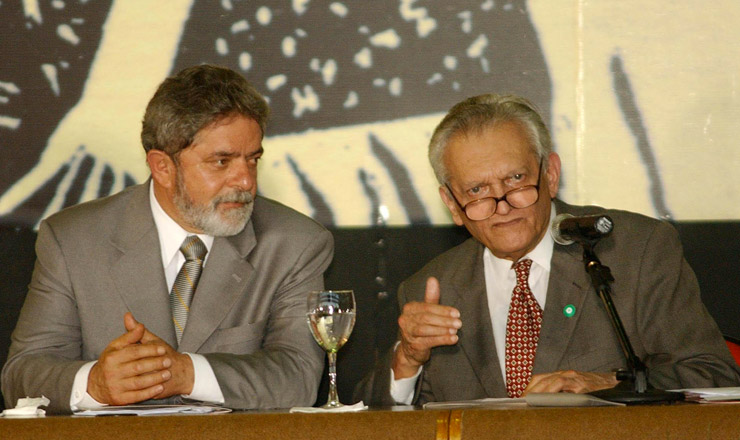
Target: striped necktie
187,279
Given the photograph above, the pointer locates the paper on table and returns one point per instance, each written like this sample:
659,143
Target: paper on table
359,406
152,410
567,399
532,399
501,402
711,394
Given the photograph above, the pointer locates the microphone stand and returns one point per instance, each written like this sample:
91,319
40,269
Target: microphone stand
634,387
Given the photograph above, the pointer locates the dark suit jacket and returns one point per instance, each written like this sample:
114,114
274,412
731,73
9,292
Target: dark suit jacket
98,260
655,293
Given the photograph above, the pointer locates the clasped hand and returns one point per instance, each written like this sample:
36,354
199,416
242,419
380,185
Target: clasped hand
137,366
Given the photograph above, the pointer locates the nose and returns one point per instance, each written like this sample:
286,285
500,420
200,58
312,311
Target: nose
244,175
503,207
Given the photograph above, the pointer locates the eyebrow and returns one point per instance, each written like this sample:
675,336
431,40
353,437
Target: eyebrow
258,152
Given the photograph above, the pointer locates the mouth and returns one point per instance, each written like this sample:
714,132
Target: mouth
234,201
231,205
507,223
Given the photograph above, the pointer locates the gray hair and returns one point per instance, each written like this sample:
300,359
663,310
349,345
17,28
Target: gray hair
483,111
193,99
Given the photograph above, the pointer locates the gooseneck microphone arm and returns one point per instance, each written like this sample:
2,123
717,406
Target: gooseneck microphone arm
601,277
633,387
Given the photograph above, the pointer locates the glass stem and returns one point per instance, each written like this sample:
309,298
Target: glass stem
333,399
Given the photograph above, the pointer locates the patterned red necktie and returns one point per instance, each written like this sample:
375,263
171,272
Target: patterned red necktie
522,332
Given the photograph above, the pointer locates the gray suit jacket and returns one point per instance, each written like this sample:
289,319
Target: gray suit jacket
655,293
98,260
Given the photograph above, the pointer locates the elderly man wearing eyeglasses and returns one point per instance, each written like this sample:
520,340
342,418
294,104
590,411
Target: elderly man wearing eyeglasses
509,311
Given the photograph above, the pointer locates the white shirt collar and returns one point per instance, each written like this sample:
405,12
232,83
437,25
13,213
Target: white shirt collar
171,234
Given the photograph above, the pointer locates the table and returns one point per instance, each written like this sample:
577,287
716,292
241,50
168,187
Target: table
692,421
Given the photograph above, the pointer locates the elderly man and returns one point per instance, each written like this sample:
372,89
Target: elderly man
508,312
189,285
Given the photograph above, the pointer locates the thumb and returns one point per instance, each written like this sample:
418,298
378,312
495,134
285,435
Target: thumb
431,294
129,321
134,330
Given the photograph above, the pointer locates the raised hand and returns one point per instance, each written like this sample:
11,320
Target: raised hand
423,326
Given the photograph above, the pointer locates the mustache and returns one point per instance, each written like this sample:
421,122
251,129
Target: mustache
235,197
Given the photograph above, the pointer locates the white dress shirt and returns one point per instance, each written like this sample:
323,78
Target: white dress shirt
171,236
500,283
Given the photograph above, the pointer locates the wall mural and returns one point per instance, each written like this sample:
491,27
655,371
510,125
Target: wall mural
642,108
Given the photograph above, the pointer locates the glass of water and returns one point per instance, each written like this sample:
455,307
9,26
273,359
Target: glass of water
331,317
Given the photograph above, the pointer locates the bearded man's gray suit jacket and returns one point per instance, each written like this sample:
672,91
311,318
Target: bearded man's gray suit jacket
98,260
656,295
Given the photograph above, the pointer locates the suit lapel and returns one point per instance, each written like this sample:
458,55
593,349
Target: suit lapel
137,270
568,285
468,288
222,283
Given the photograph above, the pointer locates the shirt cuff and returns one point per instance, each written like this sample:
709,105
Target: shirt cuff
205,384
402,390
79,399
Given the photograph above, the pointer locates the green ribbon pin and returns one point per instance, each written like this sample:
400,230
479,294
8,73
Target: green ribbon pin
569,310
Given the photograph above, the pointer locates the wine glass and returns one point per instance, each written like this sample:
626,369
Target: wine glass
331,317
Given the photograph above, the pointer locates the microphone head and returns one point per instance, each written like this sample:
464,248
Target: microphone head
604,224
557,236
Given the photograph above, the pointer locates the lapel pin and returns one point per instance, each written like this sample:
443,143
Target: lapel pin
569,310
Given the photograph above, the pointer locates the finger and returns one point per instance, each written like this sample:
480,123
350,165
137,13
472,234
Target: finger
431,294
414,308
143,366
436,341
112,360
138,395
126,339
129,321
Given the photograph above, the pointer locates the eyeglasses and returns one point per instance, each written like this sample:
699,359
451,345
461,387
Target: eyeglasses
518,198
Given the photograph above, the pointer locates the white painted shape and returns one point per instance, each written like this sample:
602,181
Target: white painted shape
300,6
388,38
240,26
364,58
65,32
10,87
9,122
303,102
31,10
329,72
245,61
450,62
50,72
222,46
288,46
276,81
264,15
477,47
425,24
339,9
395,86
352,100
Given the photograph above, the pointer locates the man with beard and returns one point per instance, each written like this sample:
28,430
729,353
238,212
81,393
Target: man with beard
186,286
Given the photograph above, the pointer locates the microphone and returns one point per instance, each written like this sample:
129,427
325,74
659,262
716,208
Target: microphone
567,229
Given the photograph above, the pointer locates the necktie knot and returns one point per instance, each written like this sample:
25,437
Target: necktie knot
521,268
193,248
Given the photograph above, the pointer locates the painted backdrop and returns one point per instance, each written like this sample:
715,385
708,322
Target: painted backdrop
641,96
